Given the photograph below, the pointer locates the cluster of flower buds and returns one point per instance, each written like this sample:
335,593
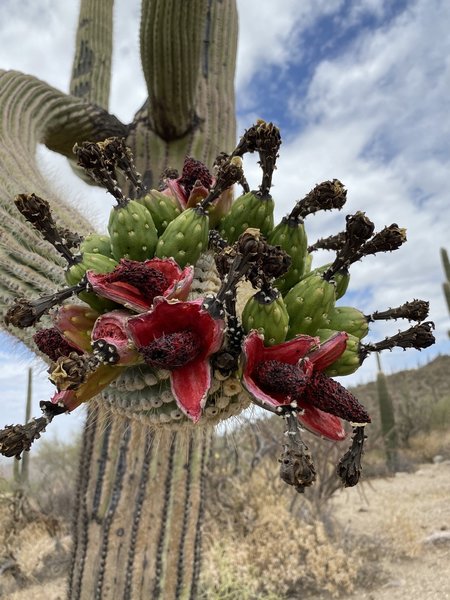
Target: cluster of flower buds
135,306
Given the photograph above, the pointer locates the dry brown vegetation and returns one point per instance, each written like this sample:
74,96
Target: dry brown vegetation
264,541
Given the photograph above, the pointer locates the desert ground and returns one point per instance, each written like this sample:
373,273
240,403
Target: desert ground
405,518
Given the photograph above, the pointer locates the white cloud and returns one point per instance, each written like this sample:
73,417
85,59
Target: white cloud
270,34
377,118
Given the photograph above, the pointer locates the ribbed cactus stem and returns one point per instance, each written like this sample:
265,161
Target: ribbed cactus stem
21,468
173,47
144,506
445,263
387,417
91,71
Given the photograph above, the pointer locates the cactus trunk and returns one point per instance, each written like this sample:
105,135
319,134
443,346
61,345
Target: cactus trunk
139,511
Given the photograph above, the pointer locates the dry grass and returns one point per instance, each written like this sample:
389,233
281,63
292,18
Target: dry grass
264,552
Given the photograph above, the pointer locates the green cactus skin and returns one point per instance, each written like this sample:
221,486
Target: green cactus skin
99,264
95,243
185,238
163,209
267,313
249,210
101,305
341,279
349,319
308,264
308,304
133,233
349,361
290,235
90,262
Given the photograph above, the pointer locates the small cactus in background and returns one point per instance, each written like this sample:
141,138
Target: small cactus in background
387,417
446,284
21,468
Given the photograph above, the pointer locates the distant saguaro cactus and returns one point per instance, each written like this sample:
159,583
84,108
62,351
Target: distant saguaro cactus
21,469
188,52
446,284
387,416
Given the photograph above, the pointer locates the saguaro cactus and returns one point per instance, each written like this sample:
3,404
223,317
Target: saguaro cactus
387,418
21,469
446,284
163,332
139,492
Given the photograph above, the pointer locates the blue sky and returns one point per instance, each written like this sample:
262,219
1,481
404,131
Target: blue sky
360,92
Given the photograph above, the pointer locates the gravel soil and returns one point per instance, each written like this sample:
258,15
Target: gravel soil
410,515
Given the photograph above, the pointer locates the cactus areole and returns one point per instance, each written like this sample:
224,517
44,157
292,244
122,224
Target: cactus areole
165,300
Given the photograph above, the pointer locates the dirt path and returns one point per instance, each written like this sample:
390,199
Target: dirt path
403,512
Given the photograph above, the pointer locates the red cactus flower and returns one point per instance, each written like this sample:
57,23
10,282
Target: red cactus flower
111,340
180,337
291,372
136,284
194,185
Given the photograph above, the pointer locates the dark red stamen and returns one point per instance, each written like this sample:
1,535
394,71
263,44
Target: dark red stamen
331,397
172,351
50,342
280,377
194,170
150,282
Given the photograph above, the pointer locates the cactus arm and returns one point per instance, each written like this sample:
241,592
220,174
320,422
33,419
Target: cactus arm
91,70
216,128
171,48
32,112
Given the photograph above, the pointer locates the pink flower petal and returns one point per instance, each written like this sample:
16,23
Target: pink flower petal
329,351
190,386
170,316
323,424
115,286
176,190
